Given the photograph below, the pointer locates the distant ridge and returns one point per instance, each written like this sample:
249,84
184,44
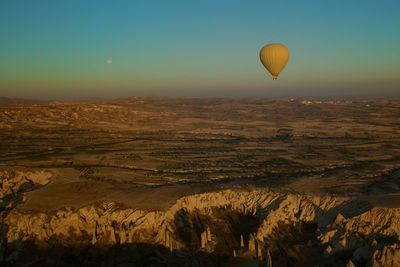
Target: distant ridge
8,102
5,102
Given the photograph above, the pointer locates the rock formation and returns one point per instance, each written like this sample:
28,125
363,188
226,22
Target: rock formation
258,224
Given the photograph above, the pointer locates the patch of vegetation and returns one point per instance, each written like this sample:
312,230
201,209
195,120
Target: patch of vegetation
90,174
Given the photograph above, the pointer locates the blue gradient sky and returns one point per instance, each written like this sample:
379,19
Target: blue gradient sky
58,49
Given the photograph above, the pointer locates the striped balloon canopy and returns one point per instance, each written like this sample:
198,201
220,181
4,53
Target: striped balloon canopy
274,57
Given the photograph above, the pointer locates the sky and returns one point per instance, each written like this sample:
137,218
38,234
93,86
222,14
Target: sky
70,49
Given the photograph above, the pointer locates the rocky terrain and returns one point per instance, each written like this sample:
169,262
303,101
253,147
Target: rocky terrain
191,182
251,225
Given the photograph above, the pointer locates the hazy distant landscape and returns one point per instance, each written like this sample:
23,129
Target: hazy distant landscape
196,181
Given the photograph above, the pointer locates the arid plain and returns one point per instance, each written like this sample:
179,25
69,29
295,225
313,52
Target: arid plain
216,182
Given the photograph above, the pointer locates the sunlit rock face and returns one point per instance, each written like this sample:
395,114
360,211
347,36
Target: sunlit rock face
14,183
253,226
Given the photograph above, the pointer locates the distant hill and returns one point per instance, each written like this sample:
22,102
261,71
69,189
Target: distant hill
5,102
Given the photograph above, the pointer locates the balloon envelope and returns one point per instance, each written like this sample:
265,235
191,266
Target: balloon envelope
274,57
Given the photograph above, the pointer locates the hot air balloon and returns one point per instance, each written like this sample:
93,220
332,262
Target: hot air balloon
274,57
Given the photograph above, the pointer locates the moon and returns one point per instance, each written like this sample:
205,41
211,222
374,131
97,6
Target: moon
109,61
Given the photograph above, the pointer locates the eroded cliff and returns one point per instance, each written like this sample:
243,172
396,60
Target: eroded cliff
220,228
